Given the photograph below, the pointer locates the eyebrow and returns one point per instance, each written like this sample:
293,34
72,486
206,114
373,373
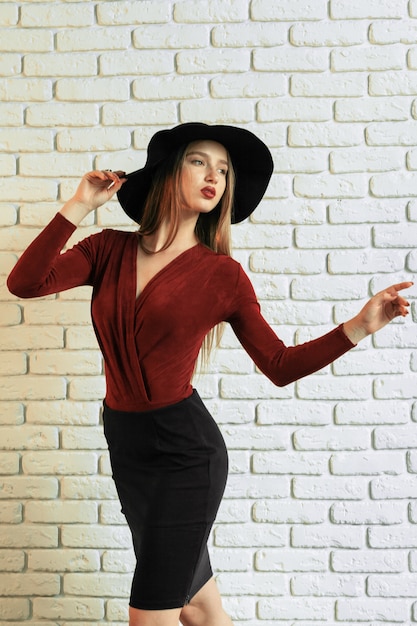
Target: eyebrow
204,154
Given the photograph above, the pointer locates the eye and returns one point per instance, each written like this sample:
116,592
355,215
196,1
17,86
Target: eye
197,162
222,171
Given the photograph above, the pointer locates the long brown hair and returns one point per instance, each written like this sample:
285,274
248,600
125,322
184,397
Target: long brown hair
163,203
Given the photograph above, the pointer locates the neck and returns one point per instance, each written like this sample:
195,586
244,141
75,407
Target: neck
184,238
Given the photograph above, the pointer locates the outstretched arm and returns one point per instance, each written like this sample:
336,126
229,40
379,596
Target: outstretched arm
381,309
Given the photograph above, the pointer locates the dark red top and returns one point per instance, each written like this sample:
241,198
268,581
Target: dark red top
150,344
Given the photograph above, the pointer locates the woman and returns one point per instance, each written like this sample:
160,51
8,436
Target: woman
158,293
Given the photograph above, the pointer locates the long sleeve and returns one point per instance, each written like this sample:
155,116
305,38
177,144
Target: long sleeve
281,364
43,270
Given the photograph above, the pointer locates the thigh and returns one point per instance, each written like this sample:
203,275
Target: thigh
140,617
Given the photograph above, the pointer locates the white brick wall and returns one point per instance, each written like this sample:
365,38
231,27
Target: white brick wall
319,522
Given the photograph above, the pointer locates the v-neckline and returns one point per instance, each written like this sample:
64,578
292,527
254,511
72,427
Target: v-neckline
138,297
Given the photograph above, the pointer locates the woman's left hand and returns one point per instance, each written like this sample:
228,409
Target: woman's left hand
381,309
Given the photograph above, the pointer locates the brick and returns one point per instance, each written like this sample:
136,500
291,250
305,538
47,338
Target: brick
118,561
209,61
62,114
90,536
10,64
376,412
80,140
63,561
302,211
11,513
11,413
110,513
395,236
62,512
248,35
137,62
288,463
286,10
286,262
323,135
364,262
68,608
97,584
60,64
392,487
248,85
391,32
57,312
16,365
219,112
350,84
55,165
14,608
400,387
326,585
212,11
136,113
249,535
176,36
82,438
11,114
371,160
365,561
11,314
393,84
282,59
117,610
8,168
26,189
12,560
386,362
312,237
9,463
323,388
257,487
295,609
333,488
293,110
27,487
80,338
25,89
35,40
387,133
367,609
9,14
63,412
90,388
372,110
147,11
326,536
285,560
88,488
253,583
32,387
286,412
92,89
88,39
392,586
26,140
366,513
330,186
29,584
284,512
231,560
372,59
29,438
392,537
29,536
68,362
328,34
233,511
259,236
341,9
174,87
58,463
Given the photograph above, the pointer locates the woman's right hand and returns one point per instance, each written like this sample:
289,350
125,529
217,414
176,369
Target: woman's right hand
95,188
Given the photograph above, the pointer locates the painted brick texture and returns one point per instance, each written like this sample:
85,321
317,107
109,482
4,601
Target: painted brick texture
319,521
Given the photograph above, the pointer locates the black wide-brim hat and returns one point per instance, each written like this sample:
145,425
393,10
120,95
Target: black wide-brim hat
251,159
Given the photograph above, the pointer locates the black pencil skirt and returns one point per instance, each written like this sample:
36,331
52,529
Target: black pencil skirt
170,468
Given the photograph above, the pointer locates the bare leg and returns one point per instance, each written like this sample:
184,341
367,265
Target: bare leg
205,608
139,617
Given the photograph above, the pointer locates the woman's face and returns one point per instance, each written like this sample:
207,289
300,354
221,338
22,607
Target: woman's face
203,176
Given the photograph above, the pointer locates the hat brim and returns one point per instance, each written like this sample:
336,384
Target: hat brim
251,159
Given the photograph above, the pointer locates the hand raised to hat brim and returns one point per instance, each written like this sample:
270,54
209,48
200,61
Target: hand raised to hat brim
95,188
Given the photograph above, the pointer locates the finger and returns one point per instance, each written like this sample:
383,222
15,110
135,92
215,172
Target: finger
404,285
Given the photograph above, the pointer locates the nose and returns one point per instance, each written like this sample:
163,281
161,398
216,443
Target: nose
212,174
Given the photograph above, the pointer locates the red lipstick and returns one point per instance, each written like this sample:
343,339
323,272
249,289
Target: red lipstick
208,192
